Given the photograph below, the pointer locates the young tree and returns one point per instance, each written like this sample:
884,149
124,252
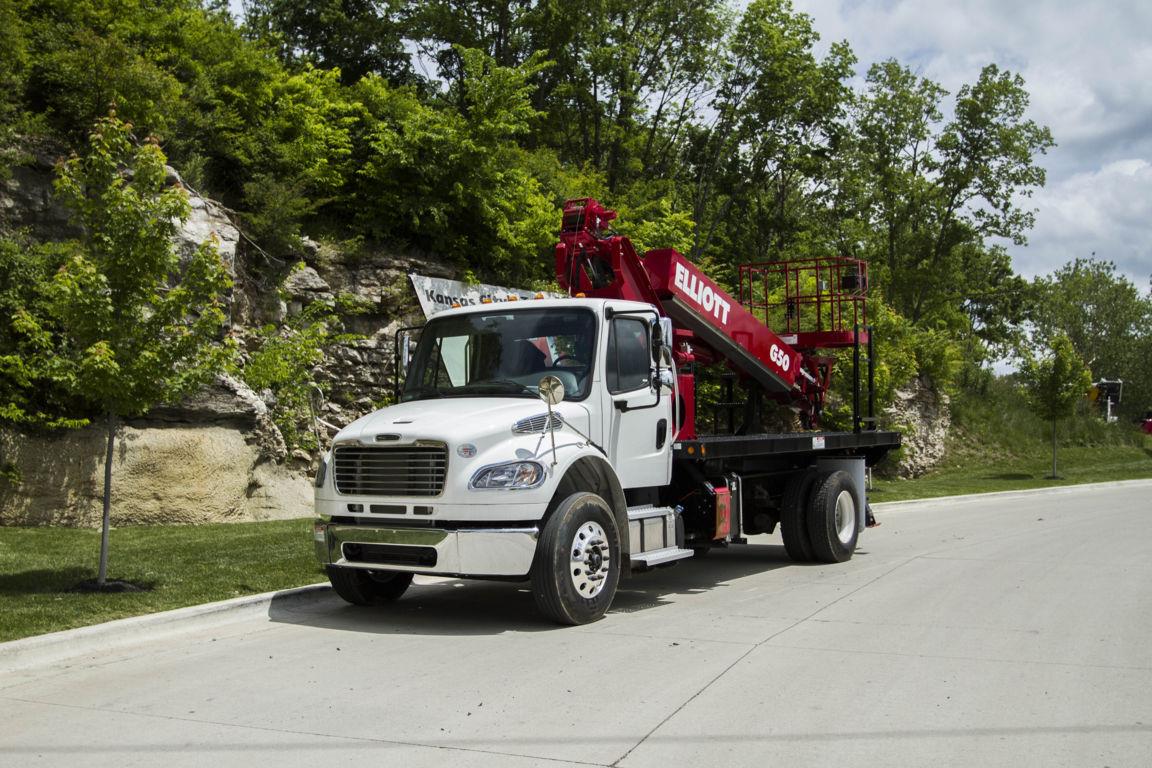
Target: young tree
1054,383
131,326
1107,319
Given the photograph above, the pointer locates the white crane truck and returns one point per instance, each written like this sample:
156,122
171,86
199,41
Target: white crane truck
558,441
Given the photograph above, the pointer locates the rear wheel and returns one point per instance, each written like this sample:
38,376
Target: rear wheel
832,522
363,587
793,517
577,563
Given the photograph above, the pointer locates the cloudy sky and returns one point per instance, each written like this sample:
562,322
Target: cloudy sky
1088,67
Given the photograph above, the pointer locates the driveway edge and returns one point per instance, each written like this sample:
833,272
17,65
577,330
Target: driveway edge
40,650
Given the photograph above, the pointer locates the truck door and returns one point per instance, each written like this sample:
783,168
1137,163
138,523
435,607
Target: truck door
638,416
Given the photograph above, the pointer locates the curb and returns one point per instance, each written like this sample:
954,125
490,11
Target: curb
41,650
1055,489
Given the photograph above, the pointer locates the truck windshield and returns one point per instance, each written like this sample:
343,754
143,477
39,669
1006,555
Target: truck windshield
503,353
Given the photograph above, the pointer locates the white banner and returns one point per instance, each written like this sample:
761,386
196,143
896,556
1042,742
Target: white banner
437,294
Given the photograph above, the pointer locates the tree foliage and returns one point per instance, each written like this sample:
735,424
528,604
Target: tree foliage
1054,383
1105,318
285,361
355,37
134,326
458,126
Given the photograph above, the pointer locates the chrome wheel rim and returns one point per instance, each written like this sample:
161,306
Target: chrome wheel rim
590,560
845,517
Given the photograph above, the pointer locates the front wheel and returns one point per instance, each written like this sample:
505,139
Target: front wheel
363,587
577,563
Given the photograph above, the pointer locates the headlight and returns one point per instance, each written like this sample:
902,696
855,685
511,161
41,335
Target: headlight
517,474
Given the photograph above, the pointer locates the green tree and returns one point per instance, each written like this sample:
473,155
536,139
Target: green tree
1054,383
28,396
622,79
132,327
357,37
13,66
760,172
285,360
1107,319
456,181
930,194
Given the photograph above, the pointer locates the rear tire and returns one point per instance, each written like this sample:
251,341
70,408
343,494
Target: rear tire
832,522
363,587
793,517
577,563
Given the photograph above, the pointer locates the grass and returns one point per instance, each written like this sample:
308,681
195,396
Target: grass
996,444
180,565
1074,465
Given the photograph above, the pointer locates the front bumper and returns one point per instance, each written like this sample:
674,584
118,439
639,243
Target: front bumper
438,551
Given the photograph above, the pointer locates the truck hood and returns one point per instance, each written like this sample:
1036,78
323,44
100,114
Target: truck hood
454,420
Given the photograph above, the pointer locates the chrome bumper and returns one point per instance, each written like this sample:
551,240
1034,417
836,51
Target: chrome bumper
460,552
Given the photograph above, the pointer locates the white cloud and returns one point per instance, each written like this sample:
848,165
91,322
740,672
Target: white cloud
1106,212
1088,69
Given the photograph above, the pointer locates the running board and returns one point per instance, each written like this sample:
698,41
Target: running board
661,556
652,536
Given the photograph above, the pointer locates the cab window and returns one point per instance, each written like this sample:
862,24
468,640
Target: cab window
629,364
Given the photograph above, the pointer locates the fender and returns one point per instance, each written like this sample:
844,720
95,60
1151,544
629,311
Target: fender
592,472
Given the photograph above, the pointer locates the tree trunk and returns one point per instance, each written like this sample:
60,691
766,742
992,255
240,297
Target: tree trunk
102,574
1054,449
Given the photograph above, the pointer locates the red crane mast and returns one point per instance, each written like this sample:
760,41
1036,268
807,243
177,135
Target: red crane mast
818,304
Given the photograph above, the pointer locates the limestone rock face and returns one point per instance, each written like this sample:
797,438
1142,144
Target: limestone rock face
207,220
229,402
359,374
923,417
27,201
175,474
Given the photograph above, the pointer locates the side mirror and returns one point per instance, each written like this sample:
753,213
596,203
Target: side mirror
551,390
661,339
405,356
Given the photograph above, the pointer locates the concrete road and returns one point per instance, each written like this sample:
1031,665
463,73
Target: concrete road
1000,630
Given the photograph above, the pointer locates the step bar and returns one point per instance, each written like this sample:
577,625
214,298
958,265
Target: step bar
652,536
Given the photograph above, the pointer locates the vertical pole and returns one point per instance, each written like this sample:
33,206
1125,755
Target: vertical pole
871,378
856,379
106,520
728,395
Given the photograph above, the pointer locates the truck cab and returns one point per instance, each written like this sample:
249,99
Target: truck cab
475,474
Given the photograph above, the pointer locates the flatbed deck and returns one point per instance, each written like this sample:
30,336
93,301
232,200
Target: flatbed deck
873,444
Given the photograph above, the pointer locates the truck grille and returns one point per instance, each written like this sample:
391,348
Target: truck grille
402,470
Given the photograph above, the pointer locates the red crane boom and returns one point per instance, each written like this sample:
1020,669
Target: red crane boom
819,303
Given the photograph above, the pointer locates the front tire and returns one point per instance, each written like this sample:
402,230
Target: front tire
363,587
832,524
577,563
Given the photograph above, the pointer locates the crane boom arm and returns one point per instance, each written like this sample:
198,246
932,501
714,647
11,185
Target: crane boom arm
598,264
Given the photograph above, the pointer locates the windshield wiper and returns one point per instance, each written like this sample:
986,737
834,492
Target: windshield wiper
500,385
427,394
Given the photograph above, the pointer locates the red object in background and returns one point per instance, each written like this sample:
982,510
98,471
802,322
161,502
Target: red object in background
723,512
1147,426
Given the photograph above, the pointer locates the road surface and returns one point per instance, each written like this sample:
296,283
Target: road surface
998,630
